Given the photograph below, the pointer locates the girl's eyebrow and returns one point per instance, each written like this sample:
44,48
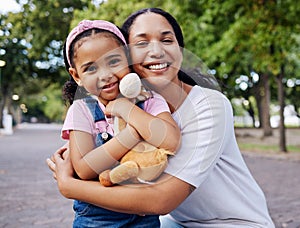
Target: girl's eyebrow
113,56
86,64
106,58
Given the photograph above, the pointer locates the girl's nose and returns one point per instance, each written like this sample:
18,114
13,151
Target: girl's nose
156,50
105,75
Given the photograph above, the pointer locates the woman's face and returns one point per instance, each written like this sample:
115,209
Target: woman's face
100,63
155,52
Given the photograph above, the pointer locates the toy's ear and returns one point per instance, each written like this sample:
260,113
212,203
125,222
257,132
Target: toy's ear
130,85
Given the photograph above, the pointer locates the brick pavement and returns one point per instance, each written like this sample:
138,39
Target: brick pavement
29,195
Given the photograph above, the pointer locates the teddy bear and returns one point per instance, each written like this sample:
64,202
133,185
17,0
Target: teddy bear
144,162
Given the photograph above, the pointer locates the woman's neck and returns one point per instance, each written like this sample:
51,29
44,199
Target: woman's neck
175,93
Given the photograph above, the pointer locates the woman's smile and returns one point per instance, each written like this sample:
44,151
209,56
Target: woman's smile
157,66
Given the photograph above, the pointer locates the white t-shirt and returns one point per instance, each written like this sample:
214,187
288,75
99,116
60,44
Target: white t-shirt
226,194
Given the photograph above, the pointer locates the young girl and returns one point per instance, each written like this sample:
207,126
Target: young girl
95,57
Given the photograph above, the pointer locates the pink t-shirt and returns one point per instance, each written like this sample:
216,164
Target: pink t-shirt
80,118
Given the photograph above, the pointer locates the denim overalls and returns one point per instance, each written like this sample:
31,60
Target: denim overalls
88,215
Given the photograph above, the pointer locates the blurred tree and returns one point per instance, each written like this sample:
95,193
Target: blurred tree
31,45
247,37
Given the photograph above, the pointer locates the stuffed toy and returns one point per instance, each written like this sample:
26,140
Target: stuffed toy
144,162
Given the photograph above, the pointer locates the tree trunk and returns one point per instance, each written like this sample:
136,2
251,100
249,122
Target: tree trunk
263,101
2,105
258,104
1,112
282,138
250,110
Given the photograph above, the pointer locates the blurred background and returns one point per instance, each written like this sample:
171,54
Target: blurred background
250,47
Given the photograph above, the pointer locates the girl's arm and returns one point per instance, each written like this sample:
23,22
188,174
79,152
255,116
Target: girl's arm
160,131
159,198
89,162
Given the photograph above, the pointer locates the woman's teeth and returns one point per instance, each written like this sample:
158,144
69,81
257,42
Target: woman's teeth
158,66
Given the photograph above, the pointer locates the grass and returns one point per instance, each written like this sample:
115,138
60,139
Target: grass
267,148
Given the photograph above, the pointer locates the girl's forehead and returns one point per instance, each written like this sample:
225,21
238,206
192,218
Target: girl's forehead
98,39
95,47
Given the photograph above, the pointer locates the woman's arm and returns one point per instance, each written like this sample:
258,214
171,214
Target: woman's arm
89,162
159,198
160,131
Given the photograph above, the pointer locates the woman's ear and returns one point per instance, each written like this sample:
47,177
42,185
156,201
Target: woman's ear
75,76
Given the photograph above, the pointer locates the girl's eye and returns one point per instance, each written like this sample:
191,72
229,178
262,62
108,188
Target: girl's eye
114,62
91,68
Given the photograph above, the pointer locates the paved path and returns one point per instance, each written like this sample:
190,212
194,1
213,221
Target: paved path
29,195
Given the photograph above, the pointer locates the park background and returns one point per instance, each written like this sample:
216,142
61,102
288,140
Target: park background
250,47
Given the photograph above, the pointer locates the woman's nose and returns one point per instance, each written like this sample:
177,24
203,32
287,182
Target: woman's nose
156,50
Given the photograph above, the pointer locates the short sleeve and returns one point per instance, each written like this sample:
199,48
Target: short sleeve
156,105
78,118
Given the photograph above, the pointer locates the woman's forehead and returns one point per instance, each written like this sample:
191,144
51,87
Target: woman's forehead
150,23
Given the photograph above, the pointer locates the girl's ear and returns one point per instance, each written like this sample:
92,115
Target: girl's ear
75,76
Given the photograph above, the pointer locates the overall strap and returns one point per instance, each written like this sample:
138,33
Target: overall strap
95,109
98,115
140,104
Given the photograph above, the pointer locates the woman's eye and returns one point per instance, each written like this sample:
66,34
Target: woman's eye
167,41
142,43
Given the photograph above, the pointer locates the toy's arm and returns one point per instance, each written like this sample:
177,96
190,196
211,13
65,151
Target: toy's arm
160,131
89,162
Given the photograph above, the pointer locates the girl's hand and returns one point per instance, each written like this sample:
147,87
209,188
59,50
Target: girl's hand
120,107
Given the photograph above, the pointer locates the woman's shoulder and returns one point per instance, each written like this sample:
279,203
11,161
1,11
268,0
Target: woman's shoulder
202,100
204,94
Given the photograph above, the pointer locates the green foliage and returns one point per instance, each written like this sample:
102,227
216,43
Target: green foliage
54,108
31,46
233,37
46,105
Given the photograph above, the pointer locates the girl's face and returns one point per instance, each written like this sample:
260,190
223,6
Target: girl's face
100,63
155,52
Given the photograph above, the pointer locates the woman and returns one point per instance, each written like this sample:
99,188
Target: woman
207,183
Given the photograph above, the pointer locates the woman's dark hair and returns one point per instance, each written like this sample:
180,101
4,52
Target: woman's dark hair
189,76
172,21
70,88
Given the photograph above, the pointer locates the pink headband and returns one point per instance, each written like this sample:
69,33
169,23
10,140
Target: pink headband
88,24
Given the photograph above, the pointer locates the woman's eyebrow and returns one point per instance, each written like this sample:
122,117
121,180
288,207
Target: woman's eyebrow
167,33
140,35
162,33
